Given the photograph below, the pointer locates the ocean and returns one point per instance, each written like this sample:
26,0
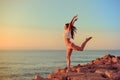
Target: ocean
24,64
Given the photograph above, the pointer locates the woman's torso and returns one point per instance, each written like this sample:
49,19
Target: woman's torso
67,37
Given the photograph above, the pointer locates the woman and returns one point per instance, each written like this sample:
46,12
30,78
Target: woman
69,34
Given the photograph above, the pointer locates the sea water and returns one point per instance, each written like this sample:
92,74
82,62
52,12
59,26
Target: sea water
24,64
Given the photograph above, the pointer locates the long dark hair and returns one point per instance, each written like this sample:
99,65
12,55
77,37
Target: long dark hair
73,30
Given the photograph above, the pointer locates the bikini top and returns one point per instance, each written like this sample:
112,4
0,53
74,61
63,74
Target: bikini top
67,34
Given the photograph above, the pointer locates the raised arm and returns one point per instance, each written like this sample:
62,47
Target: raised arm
72,22
75,19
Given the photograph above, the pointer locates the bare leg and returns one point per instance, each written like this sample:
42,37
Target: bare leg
78,48
68,55
84,44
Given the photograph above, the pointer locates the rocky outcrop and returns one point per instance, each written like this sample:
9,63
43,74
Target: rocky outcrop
105,68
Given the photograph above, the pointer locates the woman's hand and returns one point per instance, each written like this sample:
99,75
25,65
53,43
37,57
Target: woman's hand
75,19
75,16
72,21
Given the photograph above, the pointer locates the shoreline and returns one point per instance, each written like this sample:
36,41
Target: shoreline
104,68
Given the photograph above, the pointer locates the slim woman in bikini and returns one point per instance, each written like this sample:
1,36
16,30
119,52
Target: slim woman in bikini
69,34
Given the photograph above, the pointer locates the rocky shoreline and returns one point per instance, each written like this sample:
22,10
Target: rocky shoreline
104,68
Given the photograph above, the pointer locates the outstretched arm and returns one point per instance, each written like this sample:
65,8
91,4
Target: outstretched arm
72,21
75,19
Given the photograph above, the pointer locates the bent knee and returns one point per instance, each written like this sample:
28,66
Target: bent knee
80,49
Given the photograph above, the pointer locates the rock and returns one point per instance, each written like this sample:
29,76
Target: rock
104,68
59,76
38,77
78,65
116,76
60,70
113,75
118,66
115,59
98,61
57,71
108,56
74,69
87,76
78,70
100,71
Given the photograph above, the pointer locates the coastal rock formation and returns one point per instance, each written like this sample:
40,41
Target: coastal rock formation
105,68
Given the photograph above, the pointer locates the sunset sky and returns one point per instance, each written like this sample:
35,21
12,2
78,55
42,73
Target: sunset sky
39,24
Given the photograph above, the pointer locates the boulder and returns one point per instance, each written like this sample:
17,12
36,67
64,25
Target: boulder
104,68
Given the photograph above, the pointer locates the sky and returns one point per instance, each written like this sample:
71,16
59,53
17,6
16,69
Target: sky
39,24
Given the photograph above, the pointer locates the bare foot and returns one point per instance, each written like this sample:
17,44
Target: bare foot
87,39
68,70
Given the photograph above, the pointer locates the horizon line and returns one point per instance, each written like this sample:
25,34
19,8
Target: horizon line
48,49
